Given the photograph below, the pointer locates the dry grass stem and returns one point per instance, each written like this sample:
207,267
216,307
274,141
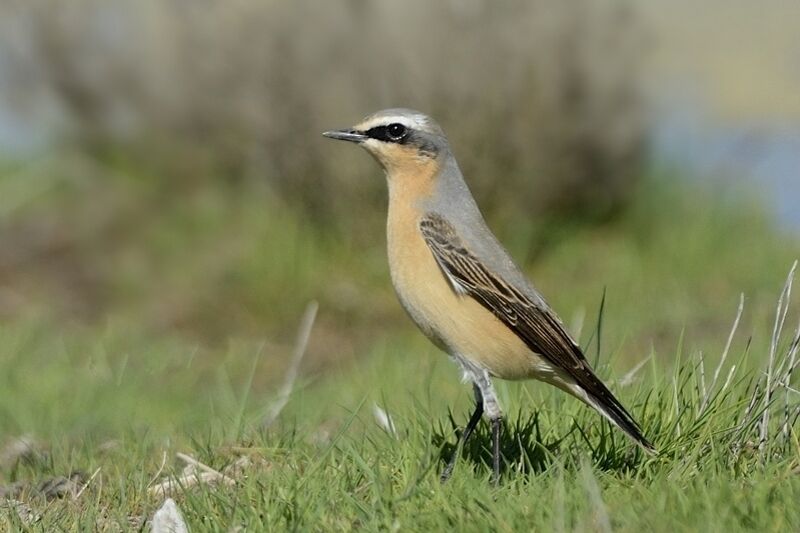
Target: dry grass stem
188,459
88,482
724,355
787,380
195,473
780,320
703,390
629,377
303,334
160,469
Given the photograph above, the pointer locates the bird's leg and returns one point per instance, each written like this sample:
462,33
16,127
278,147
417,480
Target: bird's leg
492,406
473,421
497,424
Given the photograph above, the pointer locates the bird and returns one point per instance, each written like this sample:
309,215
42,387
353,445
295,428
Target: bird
461,287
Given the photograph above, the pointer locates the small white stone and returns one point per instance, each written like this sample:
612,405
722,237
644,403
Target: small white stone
168,519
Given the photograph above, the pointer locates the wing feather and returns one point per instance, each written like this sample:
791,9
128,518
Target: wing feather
533,322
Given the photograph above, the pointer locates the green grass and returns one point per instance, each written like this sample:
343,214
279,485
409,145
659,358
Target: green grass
328,464
192,306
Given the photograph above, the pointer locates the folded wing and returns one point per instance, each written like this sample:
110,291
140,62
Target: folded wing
534,323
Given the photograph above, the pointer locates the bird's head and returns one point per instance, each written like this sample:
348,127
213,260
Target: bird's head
400,139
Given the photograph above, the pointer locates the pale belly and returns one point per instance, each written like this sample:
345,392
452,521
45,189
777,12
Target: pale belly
457,324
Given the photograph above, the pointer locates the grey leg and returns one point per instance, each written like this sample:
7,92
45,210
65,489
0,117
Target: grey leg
487,403
495,415
473,421
497,424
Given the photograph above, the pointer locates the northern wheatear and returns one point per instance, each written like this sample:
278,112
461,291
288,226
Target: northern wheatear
460,286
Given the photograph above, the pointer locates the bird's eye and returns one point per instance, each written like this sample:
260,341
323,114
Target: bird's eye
396,131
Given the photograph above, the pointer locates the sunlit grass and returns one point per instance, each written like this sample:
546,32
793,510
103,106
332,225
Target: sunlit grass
195,305
122,409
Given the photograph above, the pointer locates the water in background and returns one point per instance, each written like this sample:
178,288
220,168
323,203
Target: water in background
762,157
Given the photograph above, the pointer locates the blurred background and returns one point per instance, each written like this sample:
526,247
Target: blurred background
162,172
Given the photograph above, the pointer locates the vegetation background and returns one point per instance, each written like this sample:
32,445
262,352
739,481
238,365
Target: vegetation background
168,209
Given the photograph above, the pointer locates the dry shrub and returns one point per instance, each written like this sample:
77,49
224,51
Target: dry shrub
541,99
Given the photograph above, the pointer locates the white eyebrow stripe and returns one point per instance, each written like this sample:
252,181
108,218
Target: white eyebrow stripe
391,119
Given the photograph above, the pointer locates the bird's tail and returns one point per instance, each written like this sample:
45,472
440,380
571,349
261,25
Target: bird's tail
611,408
618,416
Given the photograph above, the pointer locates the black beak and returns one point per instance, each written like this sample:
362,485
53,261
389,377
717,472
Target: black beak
346,135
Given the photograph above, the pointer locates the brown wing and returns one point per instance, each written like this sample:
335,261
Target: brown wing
535,324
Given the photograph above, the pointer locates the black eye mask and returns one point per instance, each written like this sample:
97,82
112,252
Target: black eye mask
393,133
